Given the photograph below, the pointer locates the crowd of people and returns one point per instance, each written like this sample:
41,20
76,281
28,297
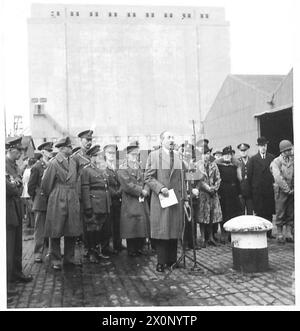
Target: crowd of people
74,197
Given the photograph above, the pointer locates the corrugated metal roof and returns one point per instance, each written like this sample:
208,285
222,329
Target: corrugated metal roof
265,83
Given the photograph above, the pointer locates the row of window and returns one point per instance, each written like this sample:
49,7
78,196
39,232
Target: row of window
110,14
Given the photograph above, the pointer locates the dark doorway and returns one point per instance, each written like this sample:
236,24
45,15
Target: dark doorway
276,127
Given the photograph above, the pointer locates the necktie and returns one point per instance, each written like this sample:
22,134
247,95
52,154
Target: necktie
171,159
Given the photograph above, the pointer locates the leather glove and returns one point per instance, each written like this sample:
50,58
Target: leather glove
88,212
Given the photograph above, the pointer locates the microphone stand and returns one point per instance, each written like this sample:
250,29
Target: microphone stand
186,218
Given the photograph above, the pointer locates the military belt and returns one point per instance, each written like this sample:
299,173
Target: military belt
98,188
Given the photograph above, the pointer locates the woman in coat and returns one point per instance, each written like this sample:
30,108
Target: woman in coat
134,222
209,208
229,190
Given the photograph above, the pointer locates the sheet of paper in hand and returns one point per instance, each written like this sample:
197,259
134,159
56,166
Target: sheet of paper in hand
168,201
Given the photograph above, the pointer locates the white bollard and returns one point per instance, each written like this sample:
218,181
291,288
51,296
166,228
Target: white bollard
249,242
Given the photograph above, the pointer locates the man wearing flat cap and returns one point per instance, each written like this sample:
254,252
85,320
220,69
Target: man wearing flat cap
39,200
282,169
261,182
62,217
110,157
96,203
14,215
246,194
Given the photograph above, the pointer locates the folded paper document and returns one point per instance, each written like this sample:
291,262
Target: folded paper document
168,201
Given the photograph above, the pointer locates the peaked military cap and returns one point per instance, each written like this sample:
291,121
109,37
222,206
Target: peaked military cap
261,141
114,146
88,134
133,145
217,152
243,147
46,146
227,150
14,143
94,150
75,149
66,141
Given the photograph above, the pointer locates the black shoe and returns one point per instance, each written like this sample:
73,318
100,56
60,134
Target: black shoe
22,278
142,252
160,268
289,240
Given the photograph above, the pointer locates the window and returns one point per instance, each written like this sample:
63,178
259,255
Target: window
166,15
38,109
201,16
77,13
91,13
128,15
147,15
110,14
183,15
72,14
189,15
133,15
58,13
96,13
52,13
206,15
171,15
152,14
115,14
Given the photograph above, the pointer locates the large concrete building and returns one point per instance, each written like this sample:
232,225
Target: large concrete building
127,72
248,106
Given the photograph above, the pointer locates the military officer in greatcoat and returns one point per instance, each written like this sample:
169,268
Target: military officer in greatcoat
134,223
39,200
96,202
80,156
261,181
59,184
245,189
14,215
110,157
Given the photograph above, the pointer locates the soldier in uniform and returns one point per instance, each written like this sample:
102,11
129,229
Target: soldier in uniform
134,223
62,217
282,169
39,199
96,204
110,157
246,195
14,216
79,155
261,181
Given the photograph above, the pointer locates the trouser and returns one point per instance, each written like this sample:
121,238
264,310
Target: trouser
284,209
188,234
166,251
104,230
13,251
39,229
247,205
69,250
115,226
92,238
135,244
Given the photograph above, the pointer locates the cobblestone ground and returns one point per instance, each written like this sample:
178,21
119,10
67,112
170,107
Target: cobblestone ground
128,281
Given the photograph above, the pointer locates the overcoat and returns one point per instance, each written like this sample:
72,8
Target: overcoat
209,208
229,191
59,185
261,181
165,223
243,177
34,186
14,210
134,221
